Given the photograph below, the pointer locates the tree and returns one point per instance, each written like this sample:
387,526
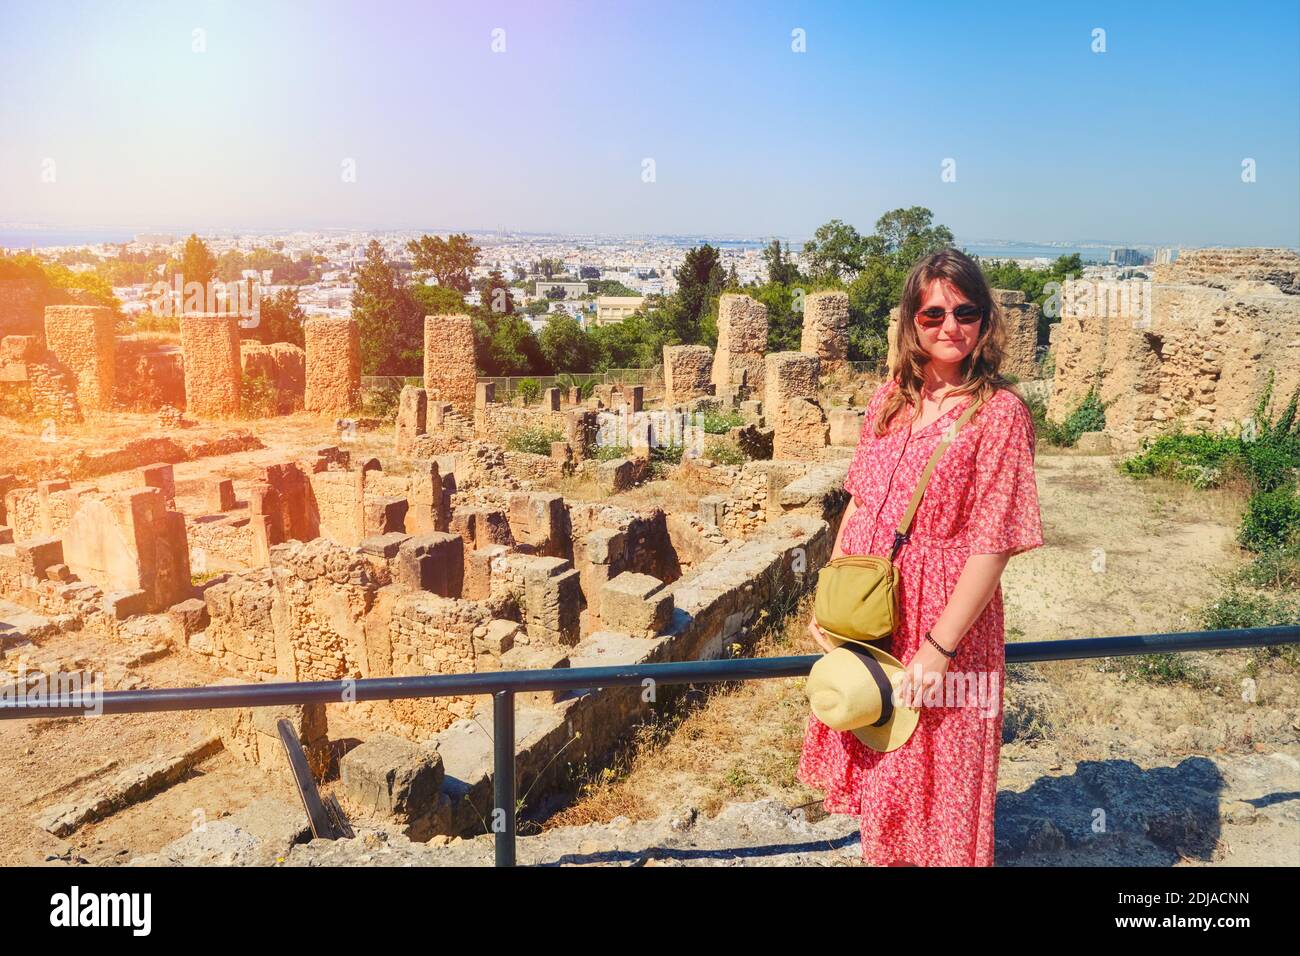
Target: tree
387,316
495,293
437,300
907,233
280,319
197,262
510,348
631,343
834,252
565,345
548,267
699,283
449,260
779,267
610,287
875,267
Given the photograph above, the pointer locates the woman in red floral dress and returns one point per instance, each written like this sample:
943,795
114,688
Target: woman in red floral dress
931,801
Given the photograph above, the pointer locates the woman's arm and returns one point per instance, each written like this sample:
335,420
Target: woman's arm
836,550
975,588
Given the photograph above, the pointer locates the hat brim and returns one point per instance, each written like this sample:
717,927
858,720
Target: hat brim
899,728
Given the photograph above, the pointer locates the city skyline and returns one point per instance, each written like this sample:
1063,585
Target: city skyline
125,117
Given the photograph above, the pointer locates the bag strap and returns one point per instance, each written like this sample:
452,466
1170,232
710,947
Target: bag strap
901,535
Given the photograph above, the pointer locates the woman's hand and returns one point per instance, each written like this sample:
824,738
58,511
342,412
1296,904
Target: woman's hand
819,637
916,681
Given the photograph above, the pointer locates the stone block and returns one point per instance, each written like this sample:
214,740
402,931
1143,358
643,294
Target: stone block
333,365
846,427
431,562
220,495
397,780
537,657
635,603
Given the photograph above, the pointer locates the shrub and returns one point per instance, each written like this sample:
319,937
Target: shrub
725,452
1200,459
1273,568
718,422
1088,416
1272,519
1238,608
664,457
257,396
585,386
612,452
1162,669
382,401
535,440
530,390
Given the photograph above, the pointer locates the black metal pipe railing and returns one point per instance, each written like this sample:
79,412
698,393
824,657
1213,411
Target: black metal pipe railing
504,685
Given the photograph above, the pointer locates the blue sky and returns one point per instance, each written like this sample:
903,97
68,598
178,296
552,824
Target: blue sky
1141,143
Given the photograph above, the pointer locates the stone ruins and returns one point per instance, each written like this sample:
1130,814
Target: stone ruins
1193,345
424,544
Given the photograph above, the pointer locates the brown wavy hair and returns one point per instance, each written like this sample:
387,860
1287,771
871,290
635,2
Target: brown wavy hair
980,368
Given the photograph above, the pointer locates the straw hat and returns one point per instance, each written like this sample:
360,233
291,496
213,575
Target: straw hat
851,688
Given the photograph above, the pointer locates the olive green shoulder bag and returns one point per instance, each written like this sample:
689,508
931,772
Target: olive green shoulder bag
857,595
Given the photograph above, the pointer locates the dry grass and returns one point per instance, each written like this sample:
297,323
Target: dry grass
727,742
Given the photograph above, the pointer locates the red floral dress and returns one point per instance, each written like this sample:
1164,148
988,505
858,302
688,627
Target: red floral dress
931,801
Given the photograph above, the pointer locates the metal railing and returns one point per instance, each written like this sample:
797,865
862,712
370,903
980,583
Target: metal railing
504,685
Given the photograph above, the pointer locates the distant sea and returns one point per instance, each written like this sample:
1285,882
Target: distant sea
1029,251
17,239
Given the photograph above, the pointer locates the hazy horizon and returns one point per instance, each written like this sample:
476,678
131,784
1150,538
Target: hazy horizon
121,116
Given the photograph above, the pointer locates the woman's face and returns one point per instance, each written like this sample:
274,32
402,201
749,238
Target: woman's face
952,341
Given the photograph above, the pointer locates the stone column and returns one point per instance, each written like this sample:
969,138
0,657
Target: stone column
210,349
449,369
82,338
742,343
333,365
826,330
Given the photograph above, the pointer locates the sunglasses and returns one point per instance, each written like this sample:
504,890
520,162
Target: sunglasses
933,317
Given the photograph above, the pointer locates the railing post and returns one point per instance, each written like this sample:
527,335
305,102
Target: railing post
503,775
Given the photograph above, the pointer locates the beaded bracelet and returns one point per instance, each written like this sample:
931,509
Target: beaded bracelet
951,655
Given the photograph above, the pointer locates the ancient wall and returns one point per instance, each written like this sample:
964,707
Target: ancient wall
826,330
149,374
1198,353
210,344
281,366
791,407
449,370
31,378
412,419
1020,324
428,634
333,360
130,541
1277,267
302,618
81,337
686,373
742,343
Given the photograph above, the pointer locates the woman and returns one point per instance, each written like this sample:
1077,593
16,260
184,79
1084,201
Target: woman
930,802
